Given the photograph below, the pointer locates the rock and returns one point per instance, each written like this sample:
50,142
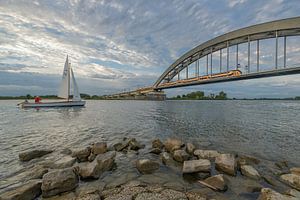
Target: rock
146,166
58,181
226,163
81,154
270,180
99,148
119,197
121,146
282,164
249,171
173,195
206,154
190,148
292,180
216,182
135,145
295,170
63,196
64,162
27,191
194,166
150,196
66,151
180,155
102,162
269,194
91,189
172,144
155,151
31,154
91,157
247,160
293,193
157,144
111,192
195,196
166,158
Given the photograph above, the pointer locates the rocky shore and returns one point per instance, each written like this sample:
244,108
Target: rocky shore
170,169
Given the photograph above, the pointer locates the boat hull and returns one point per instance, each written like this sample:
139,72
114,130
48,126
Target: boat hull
52,104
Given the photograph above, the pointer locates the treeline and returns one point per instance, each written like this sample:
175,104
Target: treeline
199,95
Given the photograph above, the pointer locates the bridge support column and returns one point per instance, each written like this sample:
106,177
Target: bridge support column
284,52
237,56
187,72
211,52
276,50
257,56
207,64
248,54
220,60
227,55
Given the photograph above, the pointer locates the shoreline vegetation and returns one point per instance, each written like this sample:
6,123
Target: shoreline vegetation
162,170
198,95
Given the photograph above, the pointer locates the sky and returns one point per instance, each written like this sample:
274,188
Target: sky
122,45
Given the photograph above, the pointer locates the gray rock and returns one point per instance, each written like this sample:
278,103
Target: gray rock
155,150
190,148
146,166
226,163
166,158
293,193
157,144
216,182
91,157
119,197
292,180
135,145
64,162
121,146
27,191
81,154
269,194
195,196
31,154
173,194
206,154
99,148
58,181
194,166
249,171
102,162
63,196
172,144
180,155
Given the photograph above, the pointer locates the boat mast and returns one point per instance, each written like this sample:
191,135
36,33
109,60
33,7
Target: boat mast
69,66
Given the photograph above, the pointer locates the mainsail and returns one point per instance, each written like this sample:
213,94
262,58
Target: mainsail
64,89
76,95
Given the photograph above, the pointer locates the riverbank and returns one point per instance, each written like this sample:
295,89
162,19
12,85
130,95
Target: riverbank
169,169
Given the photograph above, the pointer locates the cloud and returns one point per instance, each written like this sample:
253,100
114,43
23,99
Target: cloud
121,42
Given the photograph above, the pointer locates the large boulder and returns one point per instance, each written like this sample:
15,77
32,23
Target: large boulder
172,144
249,171
135,145
59,181
146,166
206,154
166,158
190,148
292,180
194,166
226,163
216,182
293,193
31,154
27,191
102,162
180,155
269,194
81,154
157,144
99,148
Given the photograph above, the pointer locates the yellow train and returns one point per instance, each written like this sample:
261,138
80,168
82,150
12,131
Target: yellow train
206,77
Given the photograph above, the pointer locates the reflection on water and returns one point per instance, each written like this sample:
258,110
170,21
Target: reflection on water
269,129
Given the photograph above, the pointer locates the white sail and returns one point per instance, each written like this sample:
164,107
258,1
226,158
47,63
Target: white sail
76,94
65,82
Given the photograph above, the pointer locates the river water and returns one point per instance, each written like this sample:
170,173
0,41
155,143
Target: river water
267,129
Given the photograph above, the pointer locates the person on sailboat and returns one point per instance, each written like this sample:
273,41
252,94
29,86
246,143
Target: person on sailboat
37,99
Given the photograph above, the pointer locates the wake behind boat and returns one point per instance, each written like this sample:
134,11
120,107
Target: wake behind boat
64,92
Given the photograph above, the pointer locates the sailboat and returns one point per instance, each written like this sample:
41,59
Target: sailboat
64,92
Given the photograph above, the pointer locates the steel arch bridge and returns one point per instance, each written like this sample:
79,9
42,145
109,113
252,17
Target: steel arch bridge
275,29
253,34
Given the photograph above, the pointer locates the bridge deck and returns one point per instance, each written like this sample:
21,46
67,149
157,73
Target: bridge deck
263,74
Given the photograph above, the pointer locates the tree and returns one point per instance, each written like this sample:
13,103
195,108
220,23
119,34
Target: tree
28,96
221,96
178,97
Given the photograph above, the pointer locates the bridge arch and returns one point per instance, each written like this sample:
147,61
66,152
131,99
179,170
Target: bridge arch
274,29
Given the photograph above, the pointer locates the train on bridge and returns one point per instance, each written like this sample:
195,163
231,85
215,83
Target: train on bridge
231,73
